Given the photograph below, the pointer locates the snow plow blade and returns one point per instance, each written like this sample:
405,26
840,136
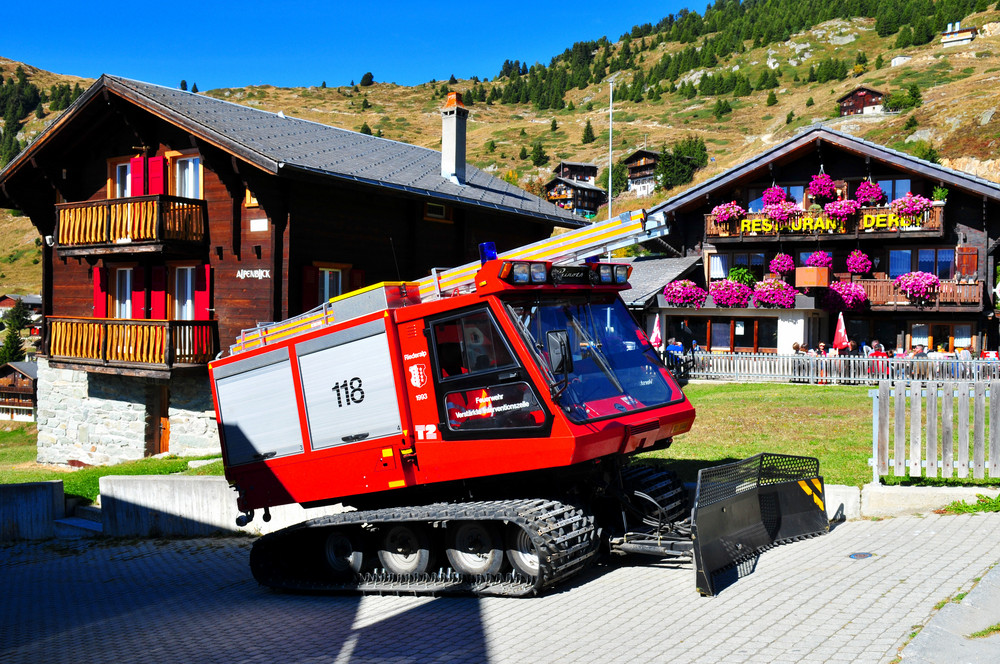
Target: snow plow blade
746,507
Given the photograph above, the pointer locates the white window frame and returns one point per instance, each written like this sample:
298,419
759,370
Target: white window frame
187,176
183,292
123,292
326,280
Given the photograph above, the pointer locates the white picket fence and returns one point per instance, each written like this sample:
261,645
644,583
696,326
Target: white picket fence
761,367
931,433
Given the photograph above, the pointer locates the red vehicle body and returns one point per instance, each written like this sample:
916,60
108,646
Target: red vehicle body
534,387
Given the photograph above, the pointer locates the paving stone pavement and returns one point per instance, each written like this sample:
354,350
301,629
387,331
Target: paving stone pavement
194,601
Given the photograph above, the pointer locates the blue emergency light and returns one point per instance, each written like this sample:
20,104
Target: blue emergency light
487,252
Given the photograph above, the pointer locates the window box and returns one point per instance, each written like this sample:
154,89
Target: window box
810,277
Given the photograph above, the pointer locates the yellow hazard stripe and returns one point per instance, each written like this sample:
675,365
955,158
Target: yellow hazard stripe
556,246
815,494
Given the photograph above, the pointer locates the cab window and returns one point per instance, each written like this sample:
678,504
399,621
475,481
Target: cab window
468,345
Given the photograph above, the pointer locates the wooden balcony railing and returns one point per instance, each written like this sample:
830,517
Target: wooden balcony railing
132,344
883,292
138,219
869,220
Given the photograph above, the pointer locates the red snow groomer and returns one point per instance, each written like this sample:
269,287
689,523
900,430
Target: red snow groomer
482,442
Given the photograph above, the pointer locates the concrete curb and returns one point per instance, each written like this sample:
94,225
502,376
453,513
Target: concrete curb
180,506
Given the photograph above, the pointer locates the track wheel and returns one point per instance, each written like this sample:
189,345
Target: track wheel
475,547
521,551
343,553
405,549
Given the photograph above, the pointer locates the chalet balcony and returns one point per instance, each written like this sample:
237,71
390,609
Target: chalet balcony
950,296
131,225
866,223
150,348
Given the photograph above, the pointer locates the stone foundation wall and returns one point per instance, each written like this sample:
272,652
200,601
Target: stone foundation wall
99,419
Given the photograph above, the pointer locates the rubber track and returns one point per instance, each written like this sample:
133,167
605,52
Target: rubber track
564,537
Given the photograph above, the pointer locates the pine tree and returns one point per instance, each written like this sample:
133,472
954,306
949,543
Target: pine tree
538,156
523,154
771,98
553,126
365,129
905,37
367,79
184,85
588,134
194,87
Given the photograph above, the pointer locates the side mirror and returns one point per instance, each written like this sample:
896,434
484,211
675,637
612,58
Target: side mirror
560,359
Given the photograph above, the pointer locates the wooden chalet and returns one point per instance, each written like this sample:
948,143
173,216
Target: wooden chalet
574,170
641,166
954,240
579,196
174,220
18,391
860,101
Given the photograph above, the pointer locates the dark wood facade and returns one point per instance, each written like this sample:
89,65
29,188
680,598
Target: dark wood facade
955,239
572,170
861,100
133,197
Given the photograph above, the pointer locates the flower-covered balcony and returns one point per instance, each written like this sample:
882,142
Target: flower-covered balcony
131,225
830,214
150,348
884,295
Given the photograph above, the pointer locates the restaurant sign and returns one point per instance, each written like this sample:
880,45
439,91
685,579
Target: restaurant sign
821,224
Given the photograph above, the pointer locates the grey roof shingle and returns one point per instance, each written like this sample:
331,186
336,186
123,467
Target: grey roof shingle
280,144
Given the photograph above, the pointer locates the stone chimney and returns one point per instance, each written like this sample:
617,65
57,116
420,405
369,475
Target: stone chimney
453,117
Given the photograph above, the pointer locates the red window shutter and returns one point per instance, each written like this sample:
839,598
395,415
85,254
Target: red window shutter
100,292
202,292
310,287
138,176
157,179
158,292
355,279
967,261
138,292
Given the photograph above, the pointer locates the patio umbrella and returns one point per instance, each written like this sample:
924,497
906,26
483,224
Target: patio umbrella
656,338
840,341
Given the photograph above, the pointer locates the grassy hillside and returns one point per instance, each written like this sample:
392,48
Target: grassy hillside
958,117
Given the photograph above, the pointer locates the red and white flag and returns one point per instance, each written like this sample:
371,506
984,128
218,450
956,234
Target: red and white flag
840,341
655,338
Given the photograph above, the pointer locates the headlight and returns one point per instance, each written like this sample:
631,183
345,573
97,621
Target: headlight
621,274
605,272
519,273
539,273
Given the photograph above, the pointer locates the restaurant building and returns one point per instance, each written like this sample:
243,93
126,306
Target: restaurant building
948,242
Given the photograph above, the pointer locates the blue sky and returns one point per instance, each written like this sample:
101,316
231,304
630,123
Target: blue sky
234,44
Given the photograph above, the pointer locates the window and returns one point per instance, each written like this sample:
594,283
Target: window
899,262
437,212
894,188
794,192
184,293
187,177
718,266
945,335
939,262
123,293
470,344
122,180
753,262
804,256
330,283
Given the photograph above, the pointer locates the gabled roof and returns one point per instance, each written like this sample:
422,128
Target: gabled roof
29,369
26,299
639,154
575,184
284,145
651,273
853,92
802,142
581,164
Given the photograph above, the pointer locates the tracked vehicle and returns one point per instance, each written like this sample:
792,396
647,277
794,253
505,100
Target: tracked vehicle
480,441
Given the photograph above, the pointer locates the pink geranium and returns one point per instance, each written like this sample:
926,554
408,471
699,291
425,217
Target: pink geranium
841,209
910,205
845,296
819,259
869,193
731,211
730,294
917,285
781,264
858,262
781,212
774,294
822,186
684,293
774,195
